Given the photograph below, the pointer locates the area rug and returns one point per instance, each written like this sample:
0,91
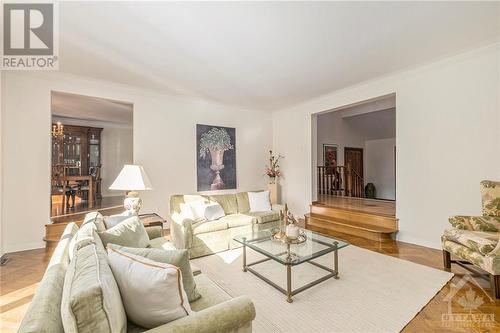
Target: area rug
375,292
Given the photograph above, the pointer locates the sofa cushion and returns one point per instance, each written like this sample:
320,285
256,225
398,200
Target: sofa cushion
242,201
479,241
161,243
237,220
97,218
490,194
130,232
179,258
152,292
227,201
264,217
91,299
204,227
44,312
87,234
212,293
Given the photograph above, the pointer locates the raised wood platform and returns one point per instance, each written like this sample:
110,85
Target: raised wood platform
54,230
367,218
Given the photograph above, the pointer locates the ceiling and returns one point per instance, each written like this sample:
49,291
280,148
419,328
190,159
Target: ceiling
72,107
263,55
374,125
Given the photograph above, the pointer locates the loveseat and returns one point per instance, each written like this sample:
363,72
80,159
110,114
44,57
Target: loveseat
202,237
215,311
475,240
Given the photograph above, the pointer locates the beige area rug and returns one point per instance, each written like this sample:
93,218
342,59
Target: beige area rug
375,292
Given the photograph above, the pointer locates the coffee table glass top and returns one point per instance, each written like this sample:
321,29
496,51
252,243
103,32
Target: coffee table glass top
315,246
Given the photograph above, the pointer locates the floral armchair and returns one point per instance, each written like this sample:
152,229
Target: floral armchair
476,239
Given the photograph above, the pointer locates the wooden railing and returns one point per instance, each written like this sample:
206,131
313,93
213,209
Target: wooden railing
340,180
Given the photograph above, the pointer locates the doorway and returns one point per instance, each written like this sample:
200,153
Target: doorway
91,141
353,158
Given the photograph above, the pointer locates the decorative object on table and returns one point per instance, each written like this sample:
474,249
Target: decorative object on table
132,178
283,237
292,231
330,155
370,191
216,157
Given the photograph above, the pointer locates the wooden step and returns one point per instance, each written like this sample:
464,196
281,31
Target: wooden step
369,231
324,212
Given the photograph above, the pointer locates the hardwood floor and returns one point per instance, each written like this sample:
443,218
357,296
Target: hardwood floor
370,206
20,277
61,213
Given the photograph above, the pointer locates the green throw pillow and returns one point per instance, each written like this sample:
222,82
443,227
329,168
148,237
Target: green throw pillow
130,232
179,258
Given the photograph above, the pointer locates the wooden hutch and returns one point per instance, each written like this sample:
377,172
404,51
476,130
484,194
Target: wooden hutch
76,162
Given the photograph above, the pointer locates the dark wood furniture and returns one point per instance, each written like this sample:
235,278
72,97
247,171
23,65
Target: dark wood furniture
152,219
77,154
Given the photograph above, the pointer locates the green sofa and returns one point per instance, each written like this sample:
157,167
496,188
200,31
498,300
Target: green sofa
475,240
216,311
204,237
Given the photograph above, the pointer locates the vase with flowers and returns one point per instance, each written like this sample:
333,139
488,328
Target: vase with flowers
273,169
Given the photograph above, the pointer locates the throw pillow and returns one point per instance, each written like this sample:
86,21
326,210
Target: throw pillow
130,232
193,210
186,211
179,258
152,292
214,212
91,299
259,201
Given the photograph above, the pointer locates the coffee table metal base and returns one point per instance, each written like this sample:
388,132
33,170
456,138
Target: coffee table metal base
333,273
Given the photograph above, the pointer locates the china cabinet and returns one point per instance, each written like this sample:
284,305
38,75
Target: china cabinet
77,152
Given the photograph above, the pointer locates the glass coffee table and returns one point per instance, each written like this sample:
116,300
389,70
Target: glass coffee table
315,246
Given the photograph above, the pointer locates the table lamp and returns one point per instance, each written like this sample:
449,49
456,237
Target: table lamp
132,178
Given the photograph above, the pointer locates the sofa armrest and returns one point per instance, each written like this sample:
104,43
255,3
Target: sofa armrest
154,231
181,231
476,223
228,316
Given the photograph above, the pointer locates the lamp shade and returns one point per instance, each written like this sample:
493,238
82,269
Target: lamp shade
132,178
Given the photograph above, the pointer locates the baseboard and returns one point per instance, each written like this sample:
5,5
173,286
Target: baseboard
417,241
23,247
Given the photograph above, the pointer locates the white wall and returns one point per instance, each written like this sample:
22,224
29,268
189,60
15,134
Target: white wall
379,167
164,143
447,131
333,129
117,150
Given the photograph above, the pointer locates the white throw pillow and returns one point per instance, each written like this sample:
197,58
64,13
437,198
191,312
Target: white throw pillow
193,210
259,201
214,212
198,208
152,292
186,211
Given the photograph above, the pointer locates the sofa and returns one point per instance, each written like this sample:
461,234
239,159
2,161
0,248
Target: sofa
215,311
202,237
475,240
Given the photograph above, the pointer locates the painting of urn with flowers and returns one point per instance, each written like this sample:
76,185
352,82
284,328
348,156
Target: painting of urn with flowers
216,157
